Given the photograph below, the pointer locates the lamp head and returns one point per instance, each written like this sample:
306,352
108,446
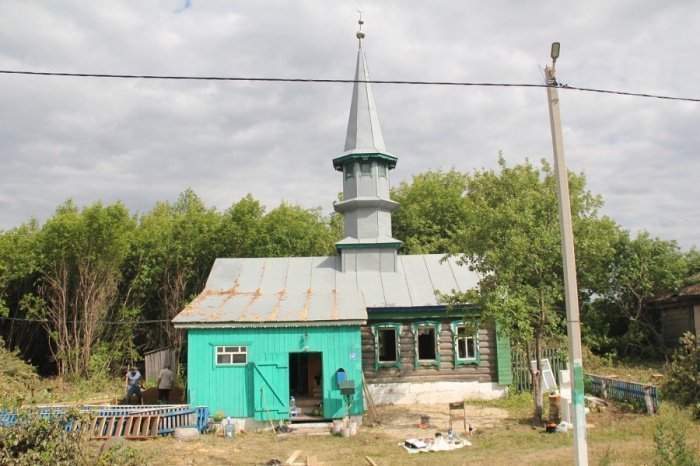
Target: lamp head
555,51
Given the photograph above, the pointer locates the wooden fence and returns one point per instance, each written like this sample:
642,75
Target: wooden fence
520,362
620,390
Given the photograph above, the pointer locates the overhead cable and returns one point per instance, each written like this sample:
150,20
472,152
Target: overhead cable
348,81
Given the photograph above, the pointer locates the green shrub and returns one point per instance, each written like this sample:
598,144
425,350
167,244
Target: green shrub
18,380
671,445
33,440
682,383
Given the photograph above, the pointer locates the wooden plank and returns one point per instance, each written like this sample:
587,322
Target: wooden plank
119,430
128,426
370,461
295,454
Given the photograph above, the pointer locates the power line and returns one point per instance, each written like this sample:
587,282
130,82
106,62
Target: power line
341,81
106,322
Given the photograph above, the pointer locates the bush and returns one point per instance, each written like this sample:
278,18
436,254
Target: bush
18,380
35,440
671,446
683,380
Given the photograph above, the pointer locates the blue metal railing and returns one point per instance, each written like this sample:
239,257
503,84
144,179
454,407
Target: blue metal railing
171,416
621,390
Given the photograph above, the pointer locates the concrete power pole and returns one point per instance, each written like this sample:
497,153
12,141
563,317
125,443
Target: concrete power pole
569,260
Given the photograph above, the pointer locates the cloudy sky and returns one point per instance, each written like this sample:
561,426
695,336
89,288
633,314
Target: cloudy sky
141,141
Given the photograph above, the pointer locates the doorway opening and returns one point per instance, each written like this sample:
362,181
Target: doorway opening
306,384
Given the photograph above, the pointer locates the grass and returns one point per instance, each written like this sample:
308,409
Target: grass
615,437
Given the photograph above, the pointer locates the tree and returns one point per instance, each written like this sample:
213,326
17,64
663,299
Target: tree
431,211
643,269
175,248
240,225
83,253
19,269
290,230
511,239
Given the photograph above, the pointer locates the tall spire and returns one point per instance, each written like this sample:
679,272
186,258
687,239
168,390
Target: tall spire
364,131
366,206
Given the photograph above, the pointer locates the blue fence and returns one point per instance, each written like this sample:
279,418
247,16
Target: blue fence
620,390
170,417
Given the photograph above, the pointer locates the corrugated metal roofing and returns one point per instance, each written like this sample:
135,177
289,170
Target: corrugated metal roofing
314,290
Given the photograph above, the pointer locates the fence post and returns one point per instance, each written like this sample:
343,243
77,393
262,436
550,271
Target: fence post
648,400
604,388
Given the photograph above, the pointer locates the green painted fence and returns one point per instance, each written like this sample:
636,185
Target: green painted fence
520,360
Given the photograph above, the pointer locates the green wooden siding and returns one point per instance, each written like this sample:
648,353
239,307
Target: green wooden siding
262,384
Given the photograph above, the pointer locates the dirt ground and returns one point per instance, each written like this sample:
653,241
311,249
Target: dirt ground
402,421
378,441
615,437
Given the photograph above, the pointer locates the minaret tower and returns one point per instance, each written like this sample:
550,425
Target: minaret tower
365,164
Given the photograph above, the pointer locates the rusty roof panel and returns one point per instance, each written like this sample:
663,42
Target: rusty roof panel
313,289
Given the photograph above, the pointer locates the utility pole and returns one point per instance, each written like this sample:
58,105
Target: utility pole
569,260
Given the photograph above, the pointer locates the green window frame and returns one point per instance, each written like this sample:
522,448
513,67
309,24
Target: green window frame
383,348
426,346
383,171
230,355
466,344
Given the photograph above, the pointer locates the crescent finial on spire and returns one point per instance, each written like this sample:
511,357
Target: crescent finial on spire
360,34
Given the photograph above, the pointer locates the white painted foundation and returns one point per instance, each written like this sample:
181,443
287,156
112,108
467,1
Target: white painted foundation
434,392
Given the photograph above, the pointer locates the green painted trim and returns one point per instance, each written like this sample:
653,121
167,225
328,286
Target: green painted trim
476,361
416,361
368,245
397,343
504,369
340,161
427,312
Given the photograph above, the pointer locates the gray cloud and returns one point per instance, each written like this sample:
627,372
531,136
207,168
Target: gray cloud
143,141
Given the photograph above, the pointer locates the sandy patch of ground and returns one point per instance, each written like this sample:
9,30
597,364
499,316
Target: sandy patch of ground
402,421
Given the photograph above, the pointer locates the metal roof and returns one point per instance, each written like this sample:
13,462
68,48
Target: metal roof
364,135
294,291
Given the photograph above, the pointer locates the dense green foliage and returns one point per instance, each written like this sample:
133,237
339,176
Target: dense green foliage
41,441
512,240
95,287
92,288
671,443
682,384
431,212
17,378
45,440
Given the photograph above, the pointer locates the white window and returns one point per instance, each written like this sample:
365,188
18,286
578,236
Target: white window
382,170
231,355
348,171
466,345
